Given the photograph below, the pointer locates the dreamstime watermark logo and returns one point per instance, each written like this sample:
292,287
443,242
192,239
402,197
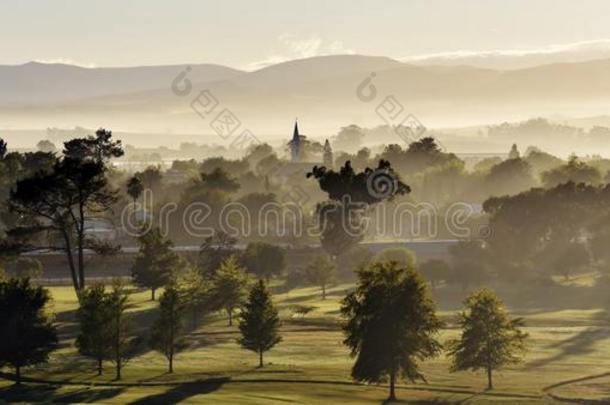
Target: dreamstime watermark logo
381,184
405,125
286,219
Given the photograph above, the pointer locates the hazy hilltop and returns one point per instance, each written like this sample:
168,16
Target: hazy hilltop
320,91
37,83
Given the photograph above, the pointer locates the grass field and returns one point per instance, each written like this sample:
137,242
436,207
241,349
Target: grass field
312,366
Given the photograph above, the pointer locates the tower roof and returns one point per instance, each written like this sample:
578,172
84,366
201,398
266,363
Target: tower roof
295,134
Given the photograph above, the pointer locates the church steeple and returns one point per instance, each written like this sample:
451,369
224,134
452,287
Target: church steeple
295,143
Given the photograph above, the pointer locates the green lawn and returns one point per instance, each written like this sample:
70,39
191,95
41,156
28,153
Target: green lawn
311,365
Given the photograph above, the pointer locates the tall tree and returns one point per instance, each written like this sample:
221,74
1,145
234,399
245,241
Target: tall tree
321,272
264,259
167,331
260,322
94,317
390,324
124,344
28,335
229,286
156,264
490,339
55,205
134,189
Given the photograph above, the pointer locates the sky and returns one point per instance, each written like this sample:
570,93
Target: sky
250,34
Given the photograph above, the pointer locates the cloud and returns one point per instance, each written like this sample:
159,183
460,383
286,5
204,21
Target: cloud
569,52
64,61
293,47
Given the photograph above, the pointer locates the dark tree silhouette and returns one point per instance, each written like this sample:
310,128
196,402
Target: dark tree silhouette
350,194
134,189
27,334
55,205
95,318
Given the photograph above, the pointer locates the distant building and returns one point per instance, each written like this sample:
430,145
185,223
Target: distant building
295,144
328,155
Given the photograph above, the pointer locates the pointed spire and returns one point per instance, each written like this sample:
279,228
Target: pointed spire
295,133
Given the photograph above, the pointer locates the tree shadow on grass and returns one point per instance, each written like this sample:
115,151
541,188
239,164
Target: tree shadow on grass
182,392
578,345
39,393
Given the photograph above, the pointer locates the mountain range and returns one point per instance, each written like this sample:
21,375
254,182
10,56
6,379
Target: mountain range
324,92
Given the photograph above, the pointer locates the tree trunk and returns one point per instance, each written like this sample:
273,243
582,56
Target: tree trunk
392,396
260,358
71,265
80,247
171,363
99,367
323,292
18,375
230,312
152,294
118,369
490,385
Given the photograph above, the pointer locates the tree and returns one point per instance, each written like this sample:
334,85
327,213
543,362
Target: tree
214,250
260,322
46,146
167,331
490,339
390,323
53,206
94,317
350,195
575,171
435,270
28,335
197,295
403,256
155,264
349,138
134,189
264,259
122,342
99,148
321,271
28,267
229,286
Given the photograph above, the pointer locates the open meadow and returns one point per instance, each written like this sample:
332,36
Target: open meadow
312,366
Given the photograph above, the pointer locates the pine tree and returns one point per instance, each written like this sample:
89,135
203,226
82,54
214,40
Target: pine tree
260,322
390,324
123,343
27,335
155,264
95,318
229,286
167,331
490,339
321,272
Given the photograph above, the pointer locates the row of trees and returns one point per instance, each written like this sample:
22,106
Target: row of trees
106,330
389,320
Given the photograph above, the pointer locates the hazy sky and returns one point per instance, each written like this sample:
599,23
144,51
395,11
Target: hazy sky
248,34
